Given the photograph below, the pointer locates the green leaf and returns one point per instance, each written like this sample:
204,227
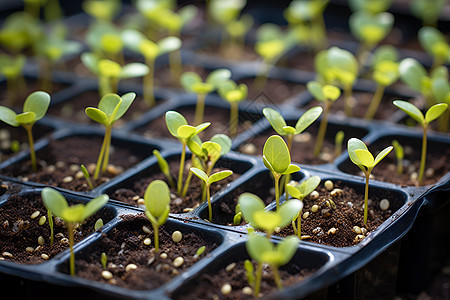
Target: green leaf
97,115
195,148
219,176
37,103
275,119
307,119
212,149
94,205
54,201
412,73
266,220
257,245
411,110
217,77
224,141
169,44
316,90
201,127
8,116
365,157
382,155
127,100
309,185
200,174
157,198
276,152
26,118
90,61
185,131
173,121
73,214
134,70
162,163
435,112
249,204
108,104
331,92
188,79
288,211
109,68
354,144
433,42
287,248
291,169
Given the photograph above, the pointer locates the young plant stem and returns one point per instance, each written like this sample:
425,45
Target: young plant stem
156,236
348,99
258,279
188,180
234,119
423,157
276,277
175,66
375,103
366,195
181,169
104,151
28,128
277,188
299,226
70,227
199,109
50,224
208,196
261,78
149,96
287,177
322,129
107,150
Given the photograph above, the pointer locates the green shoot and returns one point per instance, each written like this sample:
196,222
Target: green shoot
249,273
336,66
328,94
208,180
71,215
233,94
277,159
200,251
193,83
103,260
34,108
179,128
11,68
50,224
399,154
98,224
435,44
372,7
87,176
110,108
432,113
360,156
300,191
157,206
164,167
428,11
101,11
338,141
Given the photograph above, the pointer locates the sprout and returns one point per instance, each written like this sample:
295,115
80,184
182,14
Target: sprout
109,72
71,215
157,208
11,68
300,191
428,11
262,250
105,40
34,108
193,83
20,31
87,176
360,156
306,21
151,50
338,141
337,66
435,44
179,128
98,224
233,94
328,94
399,154
101,11
372,7
103,260
208,180
432,113
164,167
110,108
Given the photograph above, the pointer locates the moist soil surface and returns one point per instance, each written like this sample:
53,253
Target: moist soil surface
59,163
178,204
20,231
124,245
346,213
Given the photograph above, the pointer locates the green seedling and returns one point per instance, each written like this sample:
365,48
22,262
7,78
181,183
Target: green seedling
87,176
338,142
71,215
263,251
300,191
250,273
369,29
164,167
103,260
109,72
435,44
105,40
193,83
208,180
237,219
50,224
98,224
440,88
233,94
11,68
399,154
336,66
327,94
360,156
102,11
200,251
373,7
157,206
34,108
306,20
150,50
428,11
110,108
271,43
432,114
179,128
19,32
277,159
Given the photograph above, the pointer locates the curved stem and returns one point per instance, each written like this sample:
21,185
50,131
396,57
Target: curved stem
276,277
181,168
258,279
423,157
199,109
31,145
322,129
375,103
107,148
277,188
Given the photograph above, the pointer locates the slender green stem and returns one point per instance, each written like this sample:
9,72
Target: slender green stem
366,196
277,188
299,226
375,103
148,93
175,66
181,169
208,196
199,109
234,118
258,279
70,227
423,157
188,179
263,74
156,236
107,148
28,128
101,156
287,177
276,277
322,129
348,95
50,224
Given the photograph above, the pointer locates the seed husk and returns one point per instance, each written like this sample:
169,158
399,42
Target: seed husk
177,262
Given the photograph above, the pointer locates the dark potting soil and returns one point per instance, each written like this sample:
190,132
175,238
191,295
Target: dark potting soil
275,91
124,245
178,204
209,284
59,162
347,213
219,118
18,230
